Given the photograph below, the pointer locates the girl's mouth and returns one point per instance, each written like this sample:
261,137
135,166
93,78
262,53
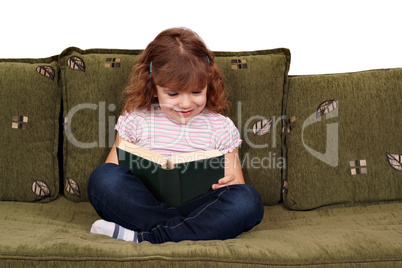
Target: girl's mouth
185,113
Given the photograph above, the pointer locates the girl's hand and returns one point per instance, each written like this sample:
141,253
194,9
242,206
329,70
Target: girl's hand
233,172
226,181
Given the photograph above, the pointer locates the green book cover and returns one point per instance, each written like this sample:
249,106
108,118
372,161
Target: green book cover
173,180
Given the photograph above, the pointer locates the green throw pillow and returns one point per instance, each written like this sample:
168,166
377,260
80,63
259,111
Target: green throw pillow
257,83
343,139
92,84
92,81
29,122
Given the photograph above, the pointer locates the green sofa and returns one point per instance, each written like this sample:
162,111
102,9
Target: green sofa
324,151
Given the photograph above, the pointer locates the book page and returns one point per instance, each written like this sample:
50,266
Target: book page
193,156
167,162
144,153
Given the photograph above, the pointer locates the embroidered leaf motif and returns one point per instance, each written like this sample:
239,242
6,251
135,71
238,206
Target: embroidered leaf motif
40,188
262,127
289,124
46,71
72,187
76,63
395,160
326,107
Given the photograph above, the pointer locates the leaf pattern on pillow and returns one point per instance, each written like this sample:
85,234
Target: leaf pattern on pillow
72,187
262,127
46,71
326,107
76,63
40,188
395,160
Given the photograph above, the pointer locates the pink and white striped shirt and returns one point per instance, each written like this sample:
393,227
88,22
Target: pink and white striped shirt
156,131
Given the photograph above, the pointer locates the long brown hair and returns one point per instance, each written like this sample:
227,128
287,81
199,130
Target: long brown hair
180,61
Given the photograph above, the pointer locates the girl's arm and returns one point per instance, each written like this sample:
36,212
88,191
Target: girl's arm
112,157
233,172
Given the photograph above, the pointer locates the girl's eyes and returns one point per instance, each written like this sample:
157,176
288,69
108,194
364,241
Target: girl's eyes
176,94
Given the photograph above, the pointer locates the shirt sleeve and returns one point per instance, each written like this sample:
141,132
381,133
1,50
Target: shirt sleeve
227,137
127,126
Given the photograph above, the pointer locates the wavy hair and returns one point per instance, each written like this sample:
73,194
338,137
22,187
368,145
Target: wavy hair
180,61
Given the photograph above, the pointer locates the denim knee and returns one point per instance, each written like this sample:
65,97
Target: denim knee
101,179
248,202
97,176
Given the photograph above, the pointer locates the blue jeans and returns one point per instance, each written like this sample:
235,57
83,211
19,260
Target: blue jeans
120,197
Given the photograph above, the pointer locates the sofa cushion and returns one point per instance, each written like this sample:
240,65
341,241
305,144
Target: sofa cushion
257,83
92,84
363,236
344,138
30,107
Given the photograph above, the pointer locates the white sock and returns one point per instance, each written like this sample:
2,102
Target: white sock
113,230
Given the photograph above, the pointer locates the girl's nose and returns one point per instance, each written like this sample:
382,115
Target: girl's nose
185,101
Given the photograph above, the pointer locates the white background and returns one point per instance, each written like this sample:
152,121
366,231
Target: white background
323,36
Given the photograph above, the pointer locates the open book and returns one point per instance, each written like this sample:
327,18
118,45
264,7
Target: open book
176,179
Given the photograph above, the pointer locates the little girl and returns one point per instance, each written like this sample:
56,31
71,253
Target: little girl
174,104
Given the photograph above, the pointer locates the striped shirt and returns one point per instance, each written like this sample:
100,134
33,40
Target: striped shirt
156,131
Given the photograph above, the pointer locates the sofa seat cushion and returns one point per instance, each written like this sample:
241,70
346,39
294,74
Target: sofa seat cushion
57,234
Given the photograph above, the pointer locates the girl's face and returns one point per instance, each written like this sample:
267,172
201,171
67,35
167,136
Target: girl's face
181,106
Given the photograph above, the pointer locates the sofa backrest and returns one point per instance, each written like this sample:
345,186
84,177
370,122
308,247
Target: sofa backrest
311,140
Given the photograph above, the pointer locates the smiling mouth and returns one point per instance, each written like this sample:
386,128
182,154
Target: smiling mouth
185,113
